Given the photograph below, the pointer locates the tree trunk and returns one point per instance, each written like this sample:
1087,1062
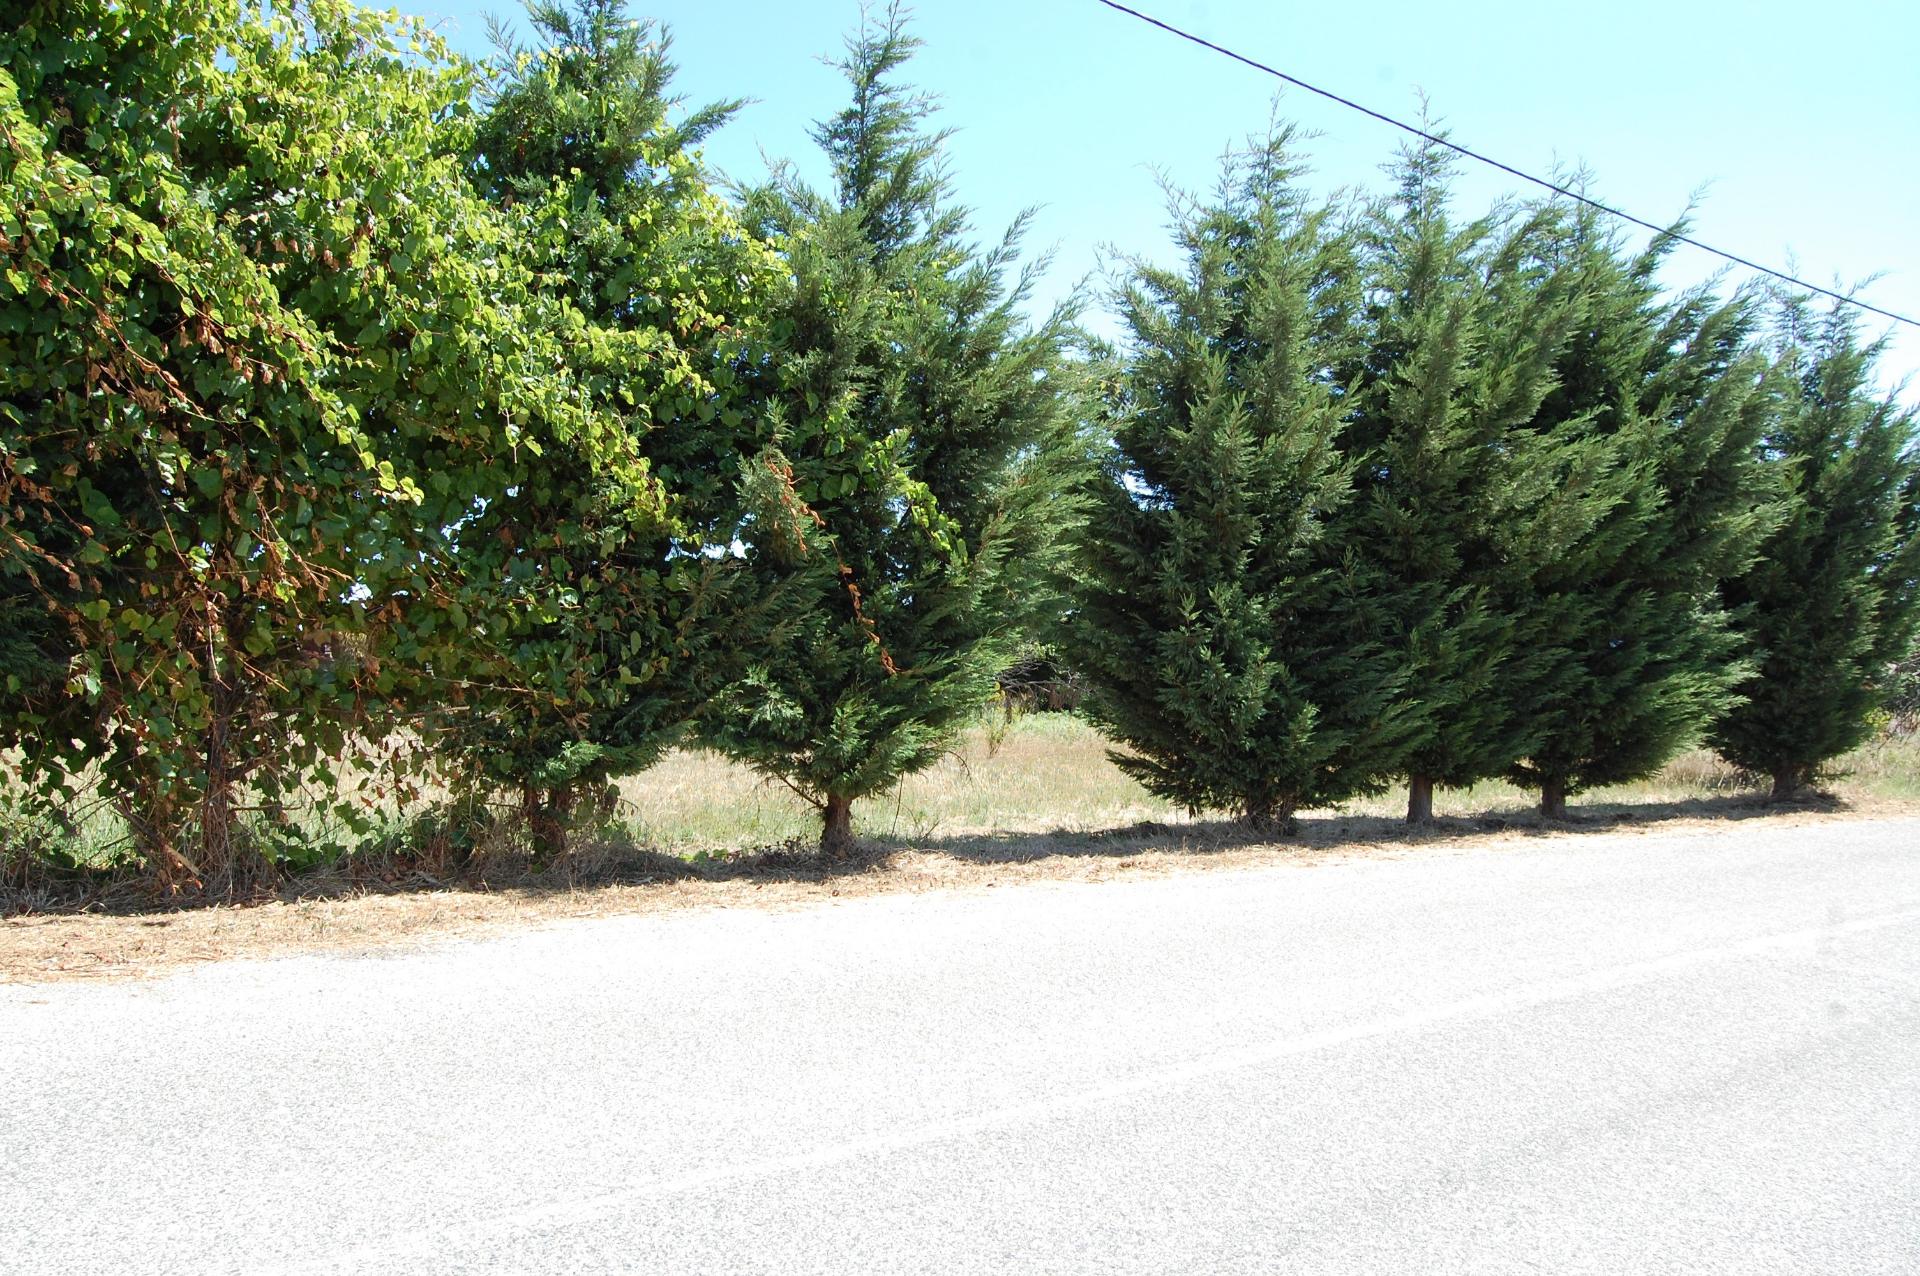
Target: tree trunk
1420,799
548,812
1553,798
221,850
836,830
217,818
1786,782
217,859
153,836
1269,815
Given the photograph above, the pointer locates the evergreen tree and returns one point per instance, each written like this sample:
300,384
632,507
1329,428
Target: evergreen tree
1635,655
1222,646
1831,601
916,484
1452,499
607,604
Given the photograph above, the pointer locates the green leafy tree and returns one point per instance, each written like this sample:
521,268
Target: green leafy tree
1453,501
1664,399
620,617
1227,648
1831,601
259,344
914,494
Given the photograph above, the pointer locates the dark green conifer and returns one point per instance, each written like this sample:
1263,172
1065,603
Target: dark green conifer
1635,655
1830,603
1451,495
1218,630
915,492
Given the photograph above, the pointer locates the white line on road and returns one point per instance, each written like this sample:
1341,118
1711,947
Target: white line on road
439,1240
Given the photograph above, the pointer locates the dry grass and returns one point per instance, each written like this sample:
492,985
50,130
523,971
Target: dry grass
1041,802
1045,773
1049,774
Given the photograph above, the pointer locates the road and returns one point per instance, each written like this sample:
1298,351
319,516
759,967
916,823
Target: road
1692,1051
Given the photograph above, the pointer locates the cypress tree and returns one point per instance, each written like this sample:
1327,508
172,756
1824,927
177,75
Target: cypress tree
1450,494
1831,601
914,491
607,605
1636,654
1221,646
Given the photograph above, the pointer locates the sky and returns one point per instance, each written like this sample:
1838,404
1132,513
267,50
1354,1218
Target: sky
1784,122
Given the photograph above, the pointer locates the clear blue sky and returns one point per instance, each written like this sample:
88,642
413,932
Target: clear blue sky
1796,122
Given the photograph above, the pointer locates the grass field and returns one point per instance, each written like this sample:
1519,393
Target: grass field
1050,774
1037,776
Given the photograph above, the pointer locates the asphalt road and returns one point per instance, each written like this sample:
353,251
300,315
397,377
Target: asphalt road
1680,1052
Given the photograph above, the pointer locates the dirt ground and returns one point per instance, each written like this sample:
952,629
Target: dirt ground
132,938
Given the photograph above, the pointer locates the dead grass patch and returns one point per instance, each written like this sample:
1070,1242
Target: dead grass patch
122,938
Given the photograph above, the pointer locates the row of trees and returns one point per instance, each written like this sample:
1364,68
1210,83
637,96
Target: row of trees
1395,494
364,405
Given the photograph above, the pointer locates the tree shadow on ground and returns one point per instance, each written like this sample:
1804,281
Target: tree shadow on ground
594,863
1331,829
614,859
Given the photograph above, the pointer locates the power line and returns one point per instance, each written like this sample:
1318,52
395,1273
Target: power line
1555,187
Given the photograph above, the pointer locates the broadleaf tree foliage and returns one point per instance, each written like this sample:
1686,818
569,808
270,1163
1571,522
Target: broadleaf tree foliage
256,335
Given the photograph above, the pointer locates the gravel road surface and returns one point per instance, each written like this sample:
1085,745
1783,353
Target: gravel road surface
1687,1051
